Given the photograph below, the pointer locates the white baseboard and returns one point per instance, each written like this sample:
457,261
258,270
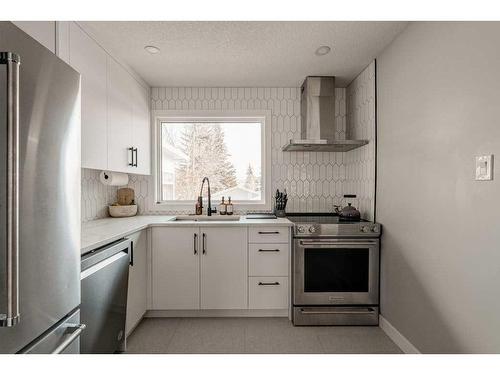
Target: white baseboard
404,344
215,313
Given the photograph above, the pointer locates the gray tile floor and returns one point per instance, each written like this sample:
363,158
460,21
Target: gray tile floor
253,335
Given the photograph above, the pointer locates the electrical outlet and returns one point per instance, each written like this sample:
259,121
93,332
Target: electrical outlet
484,167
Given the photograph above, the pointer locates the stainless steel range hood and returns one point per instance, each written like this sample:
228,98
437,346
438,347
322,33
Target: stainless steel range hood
317,107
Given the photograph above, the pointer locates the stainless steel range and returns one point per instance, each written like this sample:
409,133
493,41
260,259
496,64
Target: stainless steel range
335,270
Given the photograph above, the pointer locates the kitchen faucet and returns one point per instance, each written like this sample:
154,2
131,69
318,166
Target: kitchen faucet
200,198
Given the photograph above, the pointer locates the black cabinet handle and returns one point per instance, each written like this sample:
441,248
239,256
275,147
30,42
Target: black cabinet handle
131,149
269,250
135,150
204,240
131,253
195,244
274,284
270,232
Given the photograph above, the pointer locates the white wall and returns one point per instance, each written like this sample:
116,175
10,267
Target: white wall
44,32
438,107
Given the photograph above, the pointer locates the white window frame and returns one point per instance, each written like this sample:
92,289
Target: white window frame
260,116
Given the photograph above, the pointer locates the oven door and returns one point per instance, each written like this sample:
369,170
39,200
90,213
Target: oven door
336,271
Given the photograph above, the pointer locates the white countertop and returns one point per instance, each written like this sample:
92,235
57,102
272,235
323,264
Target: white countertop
98,233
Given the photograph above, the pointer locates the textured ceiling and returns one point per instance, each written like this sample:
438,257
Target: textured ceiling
244,54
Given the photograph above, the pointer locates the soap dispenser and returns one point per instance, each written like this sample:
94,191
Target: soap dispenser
229,207
222,207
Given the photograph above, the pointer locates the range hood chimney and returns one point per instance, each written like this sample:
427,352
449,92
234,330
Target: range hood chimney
317,112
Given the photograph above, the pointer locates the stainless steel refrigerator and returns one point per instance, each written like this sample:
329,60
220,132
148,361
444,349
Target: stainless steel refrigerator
39,198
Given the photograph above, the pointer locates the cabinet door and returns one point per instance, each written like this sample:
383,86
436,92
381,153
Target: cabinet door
89,59
119,118
224,274
137,281
44,32
176,268
141,136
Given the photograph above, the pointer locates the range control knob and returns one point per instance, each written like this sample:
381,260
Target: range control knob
365,229
375,229
312,229
301,229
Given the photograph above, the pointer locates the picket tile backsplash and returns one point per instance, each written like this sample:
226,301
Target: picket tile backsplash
315,181
361,122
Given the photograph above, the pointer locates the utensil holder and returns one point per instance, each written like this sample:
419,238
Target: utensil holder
279,213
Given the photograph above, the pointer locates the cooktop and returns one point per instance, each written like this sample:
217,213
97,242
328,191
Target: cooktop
321,219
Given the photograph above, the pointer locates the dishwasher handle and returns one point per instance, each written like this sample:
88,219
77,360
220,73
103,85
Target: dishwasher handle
101,254
102,264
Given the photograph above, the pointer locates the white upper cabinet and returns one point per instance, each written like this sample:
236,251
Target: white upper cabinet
44,32
128,122
90,60
120,153
115,105
141,134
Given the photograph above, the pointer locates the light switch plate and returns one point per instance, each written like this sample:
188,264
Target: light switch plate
484,167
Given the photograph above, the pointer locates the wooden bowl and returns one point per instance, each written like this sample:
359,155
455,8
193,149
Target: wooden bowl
123,211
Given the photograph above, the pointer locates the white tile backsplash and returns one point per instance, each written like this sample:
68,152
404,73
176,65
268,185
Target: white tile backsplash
315,181
361,122
95,196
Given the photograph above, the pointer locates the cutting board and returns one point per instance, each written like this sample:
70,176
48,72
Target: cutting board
125,196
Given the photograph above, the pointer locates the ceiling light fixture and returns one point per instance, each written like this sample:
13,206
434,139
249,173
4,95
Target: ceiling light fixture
323,50
152,49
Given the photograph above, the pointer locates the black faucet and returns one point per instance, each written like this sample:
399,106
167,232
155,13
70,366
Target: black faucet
209,208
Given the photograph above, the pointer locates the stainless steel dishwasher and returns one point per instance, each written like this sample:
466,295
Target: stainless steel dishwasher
104,280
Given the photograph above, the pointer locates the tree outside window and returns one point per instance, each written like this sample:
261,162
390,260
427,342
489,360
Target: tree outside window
229,154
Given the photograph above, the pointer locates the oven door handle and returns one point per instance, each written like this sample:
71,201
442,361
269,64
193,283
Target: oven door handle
333,243
338,311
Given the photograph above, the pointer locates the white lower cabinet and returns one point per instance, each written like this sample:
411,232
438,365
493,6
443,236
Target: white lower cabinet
137,280
268,259
197,267
268,292
224,268
175,268
268,234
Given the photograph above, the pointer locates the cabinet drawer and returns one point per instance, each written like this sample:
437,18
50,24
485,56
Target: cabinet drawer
268,234
268,292
268,259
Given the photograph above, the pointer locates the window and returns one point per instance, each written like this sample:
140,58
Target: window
229,150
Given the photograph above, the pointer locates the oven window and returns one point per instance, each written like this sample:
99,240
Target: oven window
336,270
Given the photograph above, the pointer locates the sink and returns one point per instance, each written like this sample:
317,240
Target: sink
207,218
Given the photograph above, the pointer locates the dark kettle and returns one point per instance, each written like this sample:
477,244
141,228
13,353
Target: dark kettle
349,212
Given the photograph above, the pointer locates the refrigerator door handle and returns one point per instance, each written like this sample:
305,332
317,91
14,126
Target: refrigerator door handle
11,316
78,329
